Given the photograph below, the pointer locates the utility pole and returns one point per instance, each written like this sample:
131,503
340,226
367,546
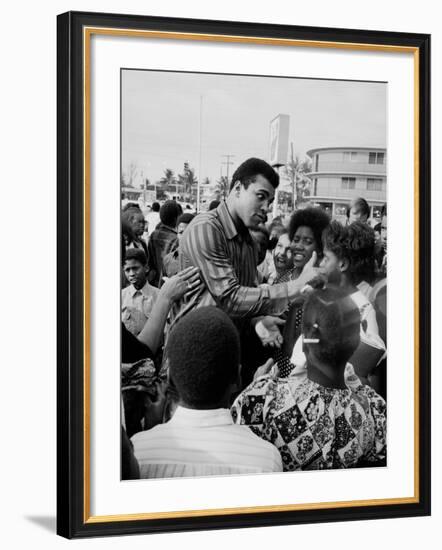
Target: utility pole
227,163
198,189
294,176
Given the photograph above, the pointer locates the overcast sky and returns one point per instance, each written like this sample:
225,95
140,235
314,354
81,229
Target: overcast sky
161,118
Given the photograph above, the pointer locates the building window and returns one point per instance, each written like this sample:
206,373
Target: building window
348,183
316,162
374,184
350,156
376,158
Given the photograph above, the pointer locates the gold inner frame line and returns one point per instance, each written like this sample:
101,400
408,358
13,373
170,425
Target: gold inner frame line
87,33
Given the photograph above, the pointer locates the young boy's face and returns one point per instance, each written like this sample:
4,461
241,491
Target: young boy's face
331,267
136,273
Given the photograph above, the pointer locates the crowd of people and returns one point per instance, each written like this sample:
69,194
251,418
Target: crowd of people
250,346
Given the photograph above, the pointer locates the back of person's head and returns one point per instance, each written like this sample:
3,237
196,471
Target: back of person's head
356,245
331,318
313,217
185,218
334,239
169,213
360,251
214,204
136,254
247,171
127,236
130,205
204,356
360,205
129,214
155,207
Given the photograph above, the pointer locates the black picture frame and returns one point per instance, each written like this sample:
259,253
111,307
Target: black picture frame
72,516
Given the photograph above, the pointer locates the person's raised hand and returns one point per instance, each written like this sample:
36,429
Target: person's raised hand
269,367
268,331
174,288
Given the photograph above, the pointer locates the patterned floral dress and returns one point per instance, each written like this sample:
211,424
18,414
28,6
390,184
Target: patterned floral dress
315,427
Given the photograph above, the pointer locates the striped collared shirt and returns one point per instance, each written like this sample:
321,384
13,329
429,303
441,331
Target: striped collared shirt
201,443
227,258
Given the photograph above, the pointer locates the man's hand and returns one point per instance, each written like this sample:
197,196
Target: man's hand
185,281
267,328
309,273
269,367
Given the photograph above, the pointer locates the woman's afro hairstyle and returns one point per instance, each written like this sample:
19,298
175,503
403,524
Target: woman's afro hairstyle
313,217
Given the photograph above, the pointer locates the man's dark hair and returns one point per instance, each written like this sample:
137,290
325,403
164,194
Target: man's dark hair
169,213
136,254
155,207
331,316
361,205
384,210
378,227
315,218
129,214
214,204
354,243
185,218
204,355
247,171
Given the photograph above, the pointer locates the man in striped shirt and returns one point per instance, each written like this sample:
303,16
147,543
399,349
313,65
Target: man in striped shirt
201,438
219,243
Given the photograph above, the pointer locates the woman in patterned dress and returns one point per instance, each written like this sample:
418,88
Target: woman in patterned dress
324,422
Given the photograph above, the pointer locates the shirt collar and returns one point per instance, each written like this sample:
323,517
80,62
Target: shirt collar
226,220
359,299
365,288
145,290
201,418
167,228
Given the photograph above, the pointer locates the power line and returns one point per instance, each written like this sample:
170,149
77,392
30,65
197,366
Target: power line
227,163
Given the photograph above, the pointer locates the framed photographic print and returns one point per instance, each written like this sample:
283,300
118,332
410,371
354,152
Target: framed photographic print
225,191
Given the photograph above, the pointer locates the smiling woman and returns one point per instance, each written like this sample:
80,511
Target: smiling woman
305,232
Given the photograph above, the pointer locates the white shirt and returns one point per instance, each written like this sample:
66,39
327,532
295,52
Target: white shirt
136,306
365,288
202,443
153,219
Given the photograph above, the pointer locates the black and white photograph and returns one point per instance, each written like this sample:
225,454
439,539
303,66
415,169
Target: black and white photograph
253,274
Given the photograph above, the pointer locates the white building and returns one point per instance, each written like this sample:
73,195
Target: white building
340,174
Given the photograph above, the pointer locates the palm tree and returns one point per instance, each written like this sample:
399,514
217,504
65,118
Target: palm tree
296,170
188,180
222,187
168,181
